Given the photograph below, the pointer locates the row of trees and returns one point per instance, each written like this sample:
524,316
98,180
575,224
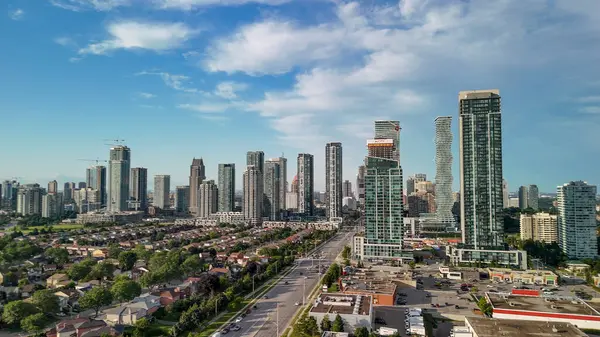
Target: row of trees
31,316
332,275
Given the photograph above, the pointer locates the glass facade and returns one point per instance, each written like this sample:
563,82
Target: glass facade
481,169
383,208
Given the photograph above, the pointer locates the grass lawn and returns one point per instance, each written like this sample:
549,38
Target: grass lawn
157,329
57,227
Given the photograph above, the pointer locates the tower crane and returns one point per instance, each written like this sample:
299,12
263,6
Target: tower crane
97,160
114,142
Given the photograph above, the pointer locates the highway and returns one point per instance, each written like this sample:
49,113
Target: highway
279,304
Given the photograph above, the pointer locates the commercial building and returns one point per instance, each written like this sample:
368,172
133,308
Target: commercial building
537,277
29,199
333,180
355,310
272,183
577,220
182,198
539,227
485,327
533,197
120,218
480,145
162,188
138,191
523,197
226,187
253,194
464,256
306,183
207,199
197,176
119,165
381,291
547,309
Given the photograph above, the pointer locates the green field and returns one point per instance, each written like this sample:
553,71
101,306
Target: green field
56,228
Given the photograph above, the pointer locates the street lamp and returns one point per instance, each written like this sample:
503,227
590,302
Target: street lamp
304,292
253,283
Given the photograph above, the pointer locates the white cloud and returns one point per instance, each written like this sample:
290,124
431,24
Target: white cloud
173,81
146,95
65,41
17,14
85,5
389,60
589,99
141,35
229,89
192,4
211,108
592,110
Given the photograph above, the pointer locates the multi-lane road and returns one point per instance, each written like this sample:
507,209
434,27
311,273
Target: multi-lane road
279,305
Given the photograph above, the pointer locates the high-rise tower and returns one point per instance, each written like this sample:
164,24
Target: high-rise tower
256,159
226,187
390,130
523,197
360,185
533,197
162,187
253,194
333,180
197,175
138,192
272,183
480,144
95,177
119,165
207,199
443,175
283,185
577,220
306,183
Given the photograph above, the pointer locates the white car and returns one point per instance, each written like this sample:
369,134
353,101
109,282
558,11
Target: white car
297,303
239,319
236,328
490,286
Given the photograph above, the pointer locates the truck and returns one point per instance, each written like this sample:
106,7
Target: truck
385,331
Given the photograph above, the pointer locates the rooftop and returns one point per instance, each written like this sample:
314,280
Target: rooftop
541,304
369,285
490,327
342,304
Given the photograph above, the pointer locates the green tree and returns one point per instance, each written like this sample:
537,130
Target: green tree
95,299
15,311
101,271
34,323
307,326
484,306
326,323
127,260
46,301
125,290
361,331
346,252
338,324
192,264
80,270
114,250
60,256
141,327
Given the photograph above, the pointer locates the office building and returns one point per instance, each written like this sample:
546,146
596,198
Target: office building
226,176
272,183
420,177
197,176
207,199
253,194
533,197
68,192
182,198
347,189
81,184
577,220
523,197
256,159
96,179
119,165
162,187
51,205
29,199
53,187
480,144
505,196
283,185
389,130
306,183
425,187
138,192
410,186
360,185
333,180
443,170
539,227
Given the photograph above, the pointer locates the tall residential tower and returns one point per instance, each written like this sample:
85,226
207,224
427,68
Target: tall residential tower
306,183
443,172
577,220
197,175
162,187
333,180
119,165
226,178
253,194
272,183
138,191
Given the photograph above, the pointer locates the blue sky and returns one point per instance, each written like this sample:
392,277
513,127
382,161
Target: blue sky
179,79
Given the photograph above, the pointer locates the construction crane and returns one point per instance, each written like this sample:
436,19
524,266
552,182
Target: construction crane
114,142
97,160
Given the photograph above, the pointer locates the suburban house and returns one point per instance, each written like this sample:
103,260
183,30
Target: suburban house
188,287
83,327
130,312
68,298
27,290
170,296
219,272
57,280
101,253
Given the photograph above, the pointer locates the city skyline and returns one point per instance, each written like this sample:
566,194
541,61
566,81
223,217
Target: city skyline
320,83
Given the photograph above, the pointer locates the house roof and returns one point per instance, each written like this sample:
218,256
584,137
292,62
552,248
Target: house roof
59,277
218,271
